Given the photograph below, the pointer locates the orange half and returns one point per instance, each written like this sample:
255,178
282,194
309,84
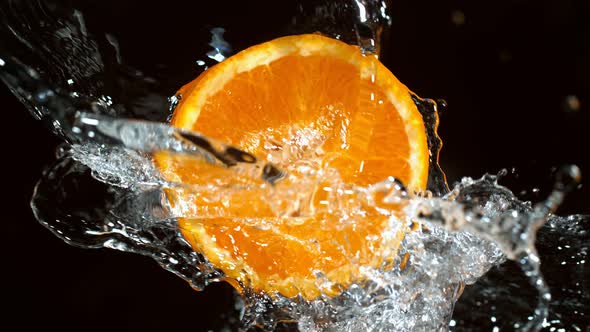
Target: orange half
297,101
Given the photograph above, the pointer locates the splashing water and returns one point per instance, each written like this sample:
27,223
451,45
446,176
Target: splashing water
458,235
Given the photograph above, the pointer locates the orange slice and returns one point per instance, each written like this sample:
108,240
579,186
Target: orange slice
297,101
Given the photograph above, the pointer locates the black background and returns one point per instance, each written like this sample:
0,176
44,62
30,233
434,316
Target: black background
505,74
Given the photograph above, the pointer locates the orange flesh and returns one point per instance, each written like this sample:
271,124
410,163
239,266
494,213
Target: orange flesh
320,104
349,116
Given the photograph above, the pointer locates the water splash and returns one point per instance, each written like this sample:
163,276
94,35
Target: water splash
372,18
495,214
221,48
457,236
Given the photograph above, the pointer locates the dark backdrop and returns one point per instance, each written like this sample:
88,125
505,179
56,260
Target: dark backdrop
507,69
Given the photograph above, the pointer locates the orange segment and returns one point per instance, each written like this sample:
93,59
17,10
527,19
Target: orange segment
297,100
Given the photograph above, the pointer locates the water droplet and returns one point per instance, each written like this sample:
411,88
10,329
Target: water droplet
572,104
568,178
221,48
505,56
458,17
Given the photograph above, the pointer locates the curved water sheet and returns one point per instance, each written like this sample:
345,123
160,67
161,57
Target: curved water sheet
453,237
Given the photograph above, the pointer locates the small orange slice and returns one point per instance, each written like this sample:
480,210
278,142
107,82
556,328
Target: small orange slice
299,100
